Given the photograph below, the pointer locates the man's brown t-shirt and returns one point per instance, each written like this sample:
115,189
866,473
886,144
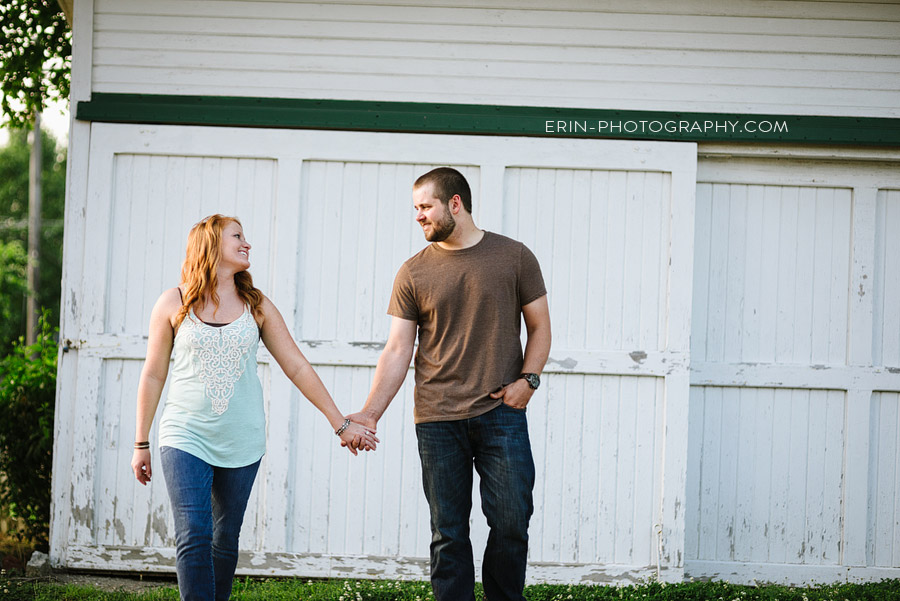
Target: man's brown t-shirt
468,305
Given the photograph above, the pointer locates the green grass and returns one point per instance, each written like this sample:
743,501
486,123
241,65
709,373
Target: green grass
14,588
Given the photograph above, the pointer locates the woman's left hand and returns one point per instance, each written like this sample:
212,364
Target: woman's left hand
357,436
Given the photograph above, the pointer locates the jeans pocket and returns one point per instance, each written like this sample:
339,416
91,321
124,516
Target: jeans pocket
511,408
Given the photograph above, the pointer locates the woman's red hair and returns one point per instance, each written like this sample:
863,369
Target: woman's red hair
198,272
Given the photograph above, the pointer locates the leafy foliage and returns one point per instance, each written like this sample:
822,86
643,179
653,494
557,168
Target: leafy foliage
14,160
36,56
13,288
27,403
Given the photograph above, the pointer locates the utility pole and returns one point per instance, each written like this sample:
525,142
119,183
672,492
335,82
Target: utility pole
34,233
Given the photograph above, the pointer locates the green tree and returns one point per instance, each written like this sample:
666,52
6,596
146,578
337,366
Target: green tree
14,160
27,399
35,55
12,293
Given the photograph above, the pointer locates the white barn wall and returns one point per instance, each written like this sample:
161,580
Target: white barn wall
793,441
330,223
785,57
831,366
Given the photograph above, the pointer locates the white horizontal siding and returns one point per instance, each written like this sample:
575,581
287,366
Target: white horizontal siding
779,57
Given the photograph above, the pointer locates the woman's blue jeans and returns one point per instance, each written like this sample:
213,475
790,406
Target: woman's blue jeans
208,504
497,444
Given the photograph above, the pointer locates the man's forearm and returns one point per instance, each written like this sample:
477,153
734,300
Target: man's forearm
389,376
537,350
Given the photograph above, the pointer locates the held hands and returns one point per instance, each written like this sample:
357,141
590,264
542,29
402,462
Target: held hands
366,421
515,394
140,464
357,436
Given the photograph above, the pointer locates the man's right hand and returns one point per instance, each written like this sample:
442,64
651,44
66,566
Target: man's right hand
366,420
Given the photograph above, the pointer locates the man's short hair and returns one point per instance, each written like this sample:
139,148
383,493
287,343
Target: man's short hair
447,182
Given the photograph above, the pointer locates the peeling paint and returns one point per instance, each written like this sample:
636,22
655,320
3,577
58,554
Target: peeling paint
638,356
567,363
861,292
820,366
159,523
82,515
369,346
147,530
120,529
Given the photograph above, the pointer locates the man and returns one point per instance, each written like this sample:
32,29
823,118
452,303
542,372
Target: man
463,295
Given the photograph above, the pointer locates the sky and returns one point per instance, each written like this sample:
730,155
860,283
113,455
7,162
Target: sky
55,118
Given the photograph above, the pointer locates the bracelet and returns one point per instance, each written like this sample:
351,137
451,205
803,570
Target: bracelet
142,445
343,427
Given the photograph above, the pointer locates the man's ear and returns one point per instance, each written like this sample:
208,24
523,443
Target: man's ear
455,204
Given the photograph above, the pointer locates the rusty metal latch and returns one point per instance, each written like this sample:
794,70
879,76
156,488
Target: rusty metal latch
69,344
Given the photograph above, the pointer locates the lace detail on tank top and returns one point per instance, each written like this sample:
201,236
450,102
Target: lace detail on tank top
219,355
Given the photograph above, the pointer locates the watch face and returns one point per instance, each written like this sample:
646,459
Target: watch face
533,380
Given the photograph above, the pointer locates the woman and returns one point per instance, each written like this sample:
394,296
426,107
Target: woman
212,432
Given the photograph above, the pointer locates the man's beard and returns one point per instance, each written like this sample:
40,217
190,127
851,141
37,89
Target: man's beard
441,230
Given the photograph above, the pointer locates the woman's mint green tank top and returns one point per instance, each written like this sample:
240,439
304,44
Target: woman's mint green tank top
214,409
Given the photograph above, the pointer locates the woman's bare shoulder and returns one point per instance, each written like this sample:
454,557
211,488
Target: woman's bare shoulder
266,309
169,302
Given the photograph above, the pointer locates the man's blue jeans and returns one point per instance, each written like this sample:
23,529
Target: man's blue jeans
498,446
208,505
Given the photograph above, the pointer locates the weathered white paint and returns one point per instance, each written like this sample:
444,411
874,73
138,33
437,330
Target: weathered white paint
886,282
793,452
331,221
883,531
815,58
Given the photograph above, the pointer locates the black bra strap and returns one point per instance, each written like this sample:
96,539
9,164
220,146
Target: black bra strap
180,295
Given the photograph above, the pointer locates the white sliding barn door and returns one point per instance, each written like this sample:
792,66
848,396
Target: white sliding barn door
330,218
794,452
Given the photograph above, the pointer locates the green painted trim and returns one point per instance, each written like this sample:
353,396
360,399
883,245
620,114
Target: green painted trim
422,117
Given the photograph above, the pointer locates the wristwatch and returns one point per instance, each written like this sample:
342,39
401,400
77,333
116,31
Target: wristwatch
533,380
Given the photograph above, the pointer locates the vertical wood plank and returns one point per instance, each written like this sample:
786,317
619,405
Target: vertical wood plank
607,524
597,292
859,402
693,494
625,482
613,295
591,433
703,253
753,287
761,531
734,281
